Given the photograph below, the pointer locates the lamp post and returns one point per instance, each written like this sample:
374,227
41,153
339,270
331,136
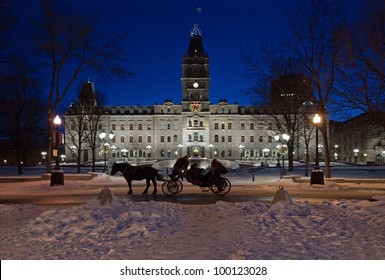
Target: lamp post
211,146
180,146
356,151
148,147
241,147
113,151
282,150
266,154
57,175
317,175
335,153
276,137
124,151
105,146
73,149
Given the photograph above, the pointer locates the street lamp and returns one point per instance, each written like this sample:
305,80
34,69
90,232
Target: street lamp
148,147
57,175
180,146
282,150
266,154
211,146
335,156
105,146
241,147
111,135
356,151
73,149
124,151
317,175
276,137
113,147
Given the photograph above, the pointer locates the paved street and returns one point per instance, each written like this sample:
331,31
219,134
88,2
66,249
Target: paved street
263,188
338,170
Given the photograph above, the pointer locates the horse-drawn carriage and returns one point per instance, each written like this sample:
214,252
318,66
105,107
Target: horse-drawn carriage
206,179
209,179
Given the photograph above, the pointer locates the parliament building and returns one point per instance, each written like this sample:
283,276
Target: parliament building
194,127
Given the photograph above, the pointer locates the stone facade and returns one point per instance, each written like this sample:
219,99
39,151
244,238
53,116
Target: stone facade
195,127
357,141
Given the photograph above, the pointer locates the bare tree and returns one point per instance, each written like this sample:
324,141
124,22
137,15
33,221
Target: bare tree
278,84
76,126
311,37
307,131
71,45
21,110
7,25
361,83
94,120
82,121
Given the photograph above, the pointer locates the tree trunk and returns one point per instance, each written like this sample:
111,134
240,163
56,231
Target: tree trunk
326,151
307,159
290,156
78,161
49,150
93,159
19,164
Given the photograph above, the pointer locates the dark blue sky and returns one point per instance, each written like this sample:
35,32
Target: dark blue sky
158,36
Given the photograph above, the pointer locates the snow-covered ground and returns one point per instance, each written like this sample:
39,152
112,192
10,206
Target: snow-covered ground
157,230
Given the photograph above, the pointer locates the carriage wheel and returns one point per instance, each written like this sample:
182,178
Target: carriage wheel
221,186
172,187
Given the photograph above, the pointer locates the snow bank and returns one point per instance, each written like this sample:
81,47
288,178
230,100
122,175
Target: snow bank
125,229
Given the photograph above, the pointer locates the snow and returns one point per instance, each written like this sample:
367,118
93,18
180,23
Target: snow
125,229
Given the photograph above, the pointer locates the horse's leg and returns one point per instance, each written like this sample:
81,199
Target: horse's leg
155,184
148,185
129,186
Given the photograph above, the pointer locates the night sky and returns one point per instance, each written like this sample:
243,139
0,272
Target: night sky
158,36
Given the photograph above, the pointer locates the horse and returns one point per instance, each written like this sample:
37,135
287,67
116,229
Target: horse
137,173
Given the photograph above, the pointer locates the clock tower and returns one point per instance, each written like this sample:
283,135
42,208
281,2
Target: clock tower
195,75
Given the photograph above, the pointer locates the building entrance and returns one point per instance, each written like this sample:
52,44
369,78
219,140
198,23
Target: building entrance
195,151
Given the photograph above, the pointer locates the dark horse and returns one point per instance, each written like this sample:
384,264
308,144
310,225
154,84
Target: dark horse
137,173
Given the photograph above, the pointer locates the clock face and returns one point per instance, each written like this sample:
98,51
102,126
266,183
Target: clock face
195,85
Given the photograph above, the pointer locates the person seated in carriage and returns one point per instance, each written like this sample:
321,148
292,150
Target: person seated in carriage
195,176
180,165
213,172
